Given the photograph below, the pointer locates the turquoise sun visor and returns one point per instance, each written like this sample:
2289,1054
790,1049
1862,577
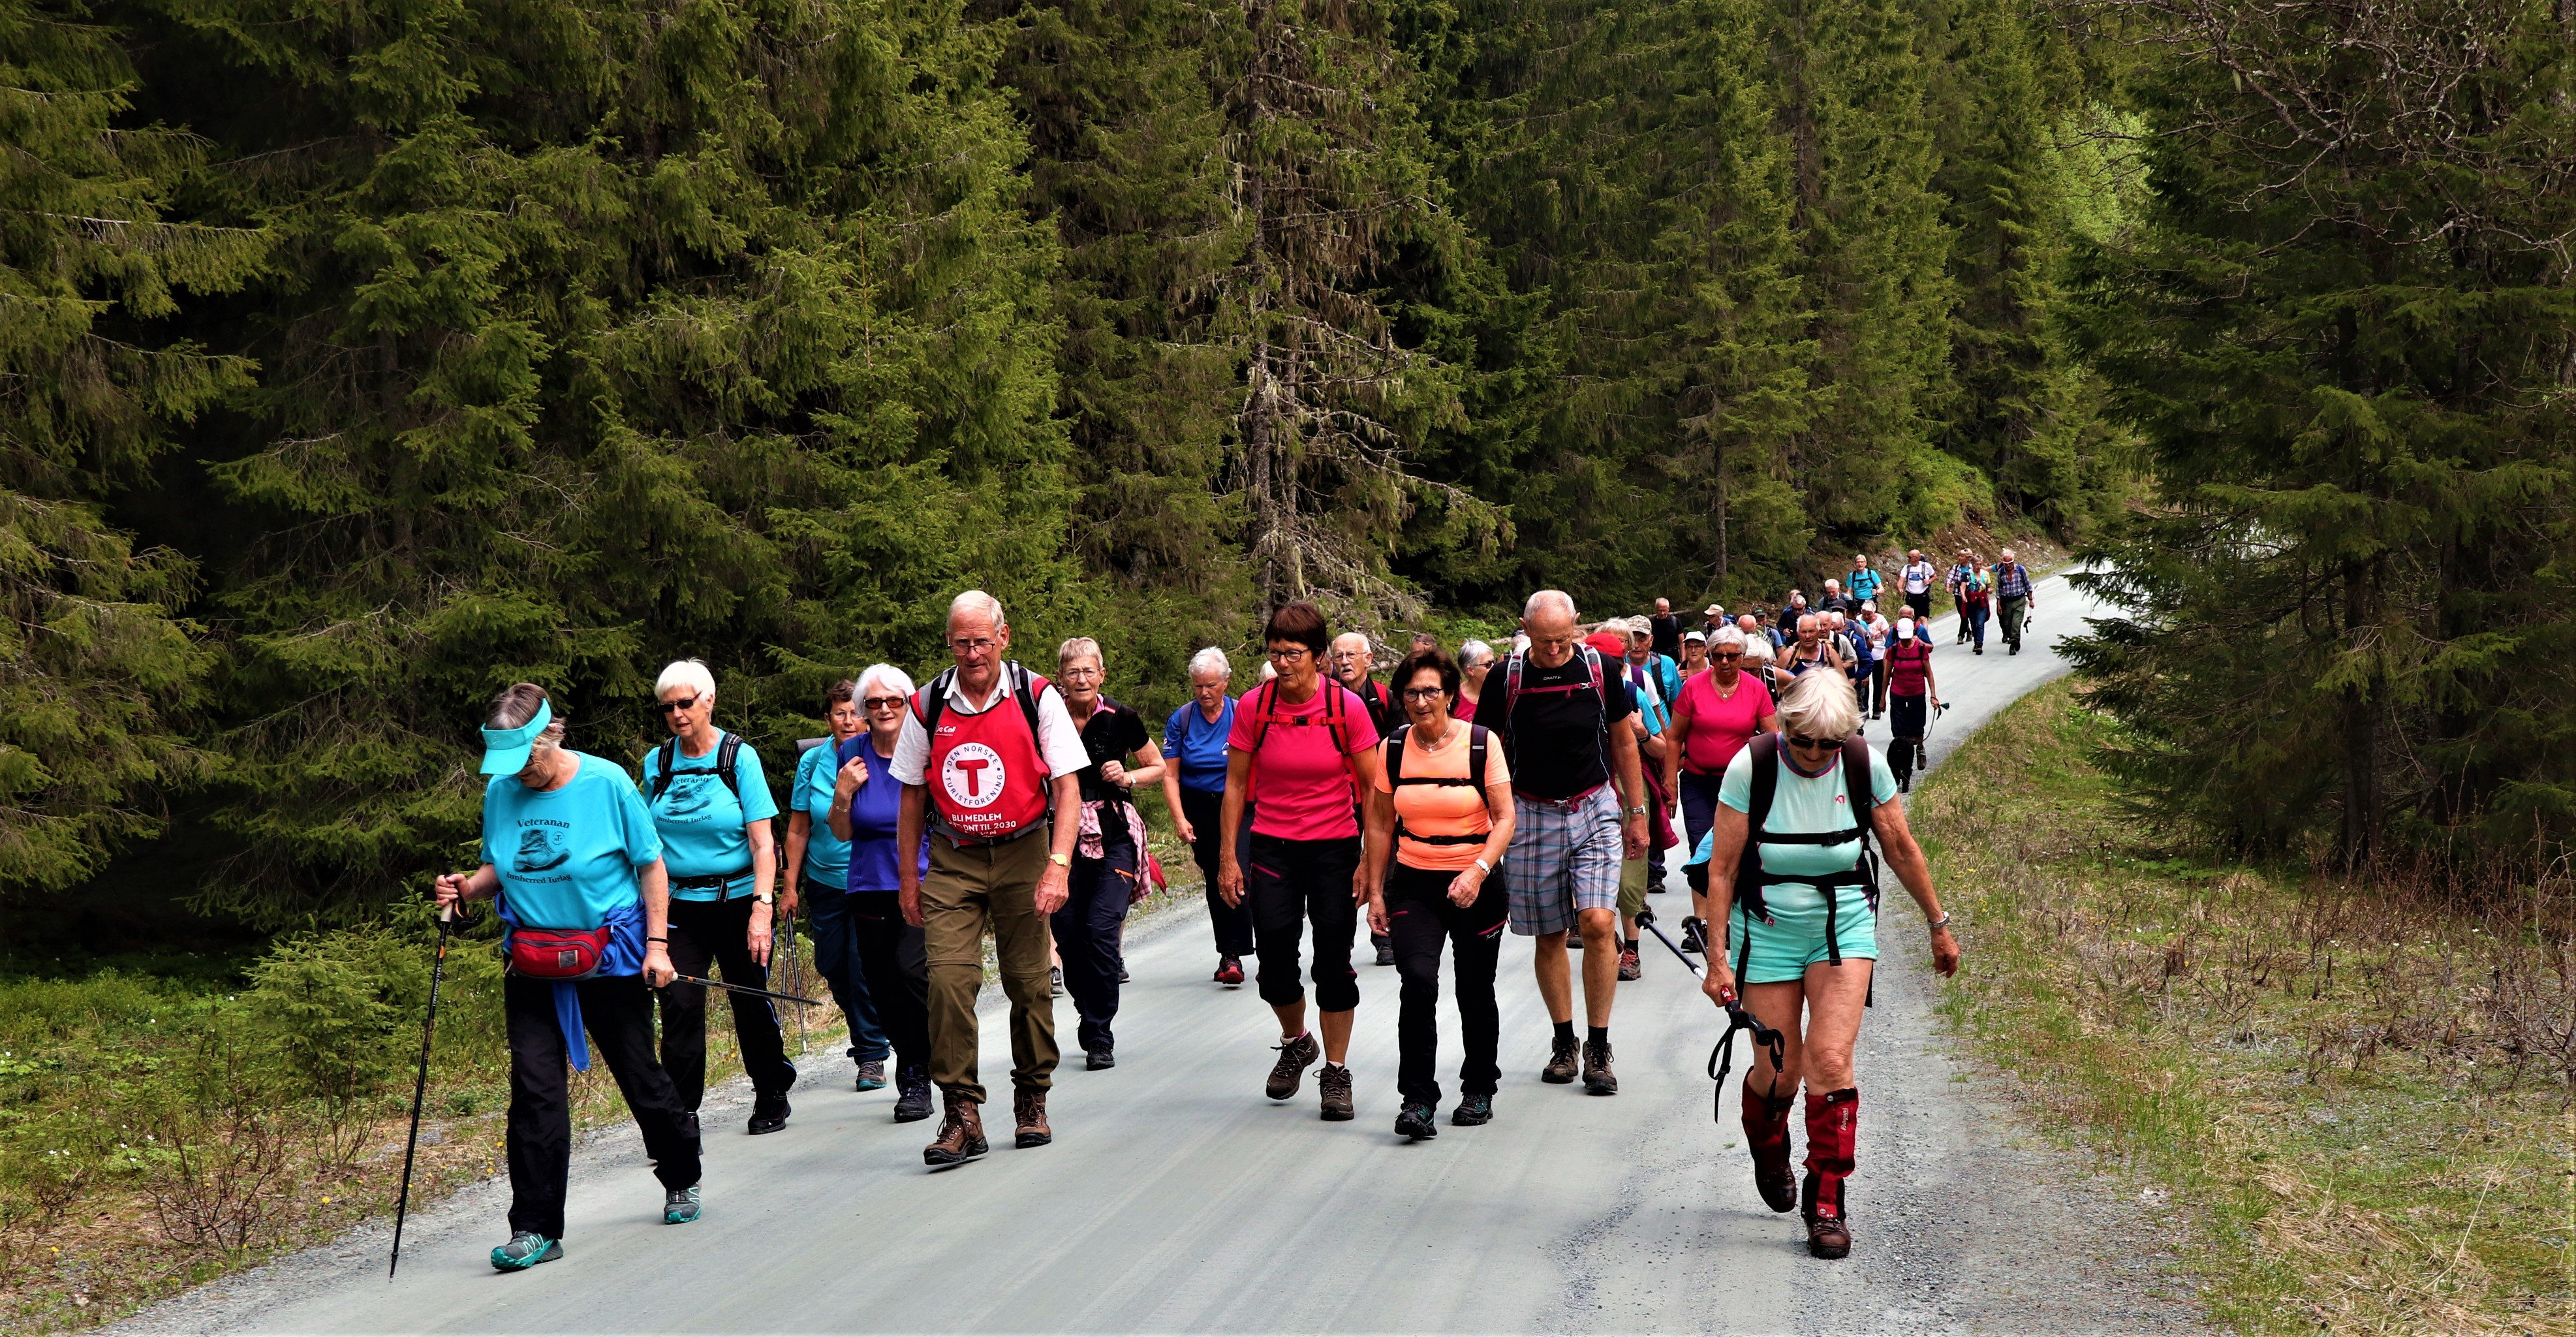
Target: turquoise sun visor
505,751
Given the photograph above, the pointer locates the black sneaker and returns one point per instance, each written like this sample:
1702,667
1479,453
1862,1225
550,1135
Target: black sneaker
1473,1111
1055,980
1334,1085
912,1104
1385,950
1694,941
1561,1062
769,1114
1122,974
1098,1059
1416,1121
1598,1080
1290,1070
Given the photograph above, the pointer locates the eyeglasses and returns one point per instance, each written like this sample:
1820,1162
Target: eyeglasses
1425,693
1728,654
883,703
668,706
1288,654
977,645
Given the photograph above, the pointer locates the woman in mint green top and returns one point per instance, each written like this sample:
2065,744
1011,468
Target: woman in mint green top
711,805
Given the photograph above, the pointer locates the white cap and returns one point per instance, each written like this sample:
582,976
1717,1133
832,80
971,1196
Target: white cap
1904,627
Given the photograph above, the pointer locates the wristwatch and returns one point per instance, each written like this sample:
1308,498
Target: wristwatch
766,897
1941,923
1484,867
1060,860
1638,811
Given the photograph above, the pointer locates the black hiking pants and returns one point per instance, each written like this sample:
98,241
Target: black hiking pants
1420,917
896,960
617,1011
719,933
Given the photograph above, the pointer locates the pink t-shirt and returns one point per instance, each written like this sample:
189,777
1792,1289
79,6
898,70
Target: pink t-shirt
1301,780
1719,728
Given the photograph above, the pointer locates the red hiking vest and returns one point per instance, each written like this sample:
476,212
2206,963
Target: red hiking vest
986,777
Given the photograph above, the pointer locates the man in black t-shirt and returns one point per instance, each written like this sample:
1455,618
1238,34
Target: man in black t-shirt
1578,812
1666,628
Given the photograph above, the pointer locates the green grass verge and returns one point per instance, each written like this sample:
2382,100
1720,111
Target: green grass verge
2356,1101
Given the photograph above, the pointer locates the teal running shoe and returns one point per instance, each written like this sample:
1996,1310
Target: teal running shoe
525,1250
681,1207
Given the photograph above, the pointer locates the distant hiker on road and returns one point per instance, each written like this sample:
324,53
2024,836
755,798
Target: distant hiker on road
1694,654
1194,789
572,854
869,922
1962,573
711,804
1109,859
1790,873
1911,695
987,760
1579,810
818,874
1303,750
1975,593
1439,822
1914,580
2014,592
1879,631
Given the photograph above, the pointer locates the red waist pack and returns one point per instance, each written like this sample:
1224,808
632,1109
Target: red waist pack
558,953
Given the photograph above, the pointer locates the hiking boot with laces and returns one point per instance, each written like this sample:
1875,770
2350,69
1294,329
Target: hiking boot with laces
769,1114
872,1075
1100,1058
1229,971
1694,941
1630,968
1598,1080
912,1103
1029,1119
1417,1121
1473,1111
1290,1070
1334,1085
525,1250
1561,1061
681,1206
961,1135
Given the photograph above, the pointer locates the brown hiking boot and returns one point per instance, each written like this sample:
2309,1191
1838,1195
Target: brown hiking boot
1290,1070
961,1135
1560,1062
1334,1085
1598,1080
1028,1110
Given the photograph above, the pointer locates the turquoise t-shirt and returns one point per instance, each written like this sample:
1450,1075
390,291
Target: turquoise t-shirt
701,822
1803,804
567,857
827,856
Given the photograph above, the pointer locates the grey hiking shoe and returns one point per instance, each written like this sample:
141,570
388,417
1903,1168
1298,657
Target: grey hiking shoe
872,1075
1290,1070
1333,1083
525,1250
681,1206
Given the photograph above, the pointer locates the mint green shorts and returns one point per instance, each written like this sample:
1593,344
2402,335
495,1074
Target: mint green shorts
1793,937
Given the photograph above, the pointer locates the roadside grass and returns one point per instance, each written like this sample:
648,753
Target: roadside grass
2355,1102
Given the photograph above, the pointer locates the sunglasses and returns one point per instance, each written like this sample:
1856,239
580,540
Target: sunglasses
669,706
883,703
1813,744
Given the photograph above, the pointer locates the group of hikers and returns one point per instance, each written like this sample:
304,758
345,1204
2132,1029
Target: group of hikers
1531,787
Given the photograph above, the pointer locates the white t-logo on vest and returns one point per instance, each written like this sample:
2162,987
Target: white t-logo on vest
973,775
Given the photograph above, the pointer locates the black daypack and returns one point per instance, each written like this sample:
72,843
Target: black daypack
1749,874
1478,741
936,695
727,748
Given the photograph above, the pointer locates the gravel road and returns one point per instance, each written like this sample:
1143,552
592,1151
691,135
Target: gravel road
1176,1198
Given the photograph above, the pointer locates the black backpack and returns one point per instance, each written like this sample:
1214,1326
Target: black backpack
1477,747
1749,874
937,695
727,748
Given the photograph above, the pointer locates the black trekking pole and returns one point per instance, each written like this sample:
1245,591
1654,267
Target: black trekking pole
744,988
1646,921
796,980
1721,1060
420,1085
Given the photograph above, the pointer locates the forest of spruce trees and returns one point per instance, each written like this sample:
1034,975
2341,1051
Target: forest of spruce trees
358,360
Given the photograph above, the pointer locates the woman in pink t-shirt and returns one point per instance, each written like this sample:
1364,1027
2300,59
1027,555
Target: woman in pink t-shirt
1717,713
1302,752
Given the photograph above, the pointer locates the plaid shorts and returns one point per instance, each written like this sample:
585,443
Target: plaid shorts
1563,859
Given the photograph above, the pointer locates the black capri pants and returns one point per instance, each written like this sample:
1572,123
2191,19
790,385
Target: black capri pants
1289,884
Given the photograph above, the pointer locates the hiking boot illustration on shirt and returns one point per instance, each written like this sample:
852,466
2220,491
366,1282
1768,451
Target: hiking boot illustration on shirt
688,799
540,848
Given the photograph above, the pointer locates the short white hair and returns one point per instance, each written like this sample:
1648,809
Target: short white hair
1820,705
1075,648
1759,650
685,673
1557,600
1210,660
1473,653
896,679
977,601
1728,635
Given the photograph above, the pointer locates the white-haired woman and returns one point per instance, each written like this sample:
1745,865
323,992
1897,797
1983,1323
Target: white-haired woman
1721,710
1109,858
818,874
890,957
1194,787
569,849
711,804
1787,872
1475,660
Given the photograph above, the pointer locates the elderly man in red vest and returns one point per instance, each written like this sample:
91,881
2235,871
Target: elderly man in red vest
988,759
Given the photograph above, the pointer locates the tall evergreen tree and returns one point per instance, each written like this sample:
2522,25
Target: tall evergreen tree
92,661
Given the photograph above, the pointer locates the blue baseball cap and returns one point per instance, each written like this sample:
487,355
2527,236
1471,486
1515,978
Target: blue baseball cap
505,751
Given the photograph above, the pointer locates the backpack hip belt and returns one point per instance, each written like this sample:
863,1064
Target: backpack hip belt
716,882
